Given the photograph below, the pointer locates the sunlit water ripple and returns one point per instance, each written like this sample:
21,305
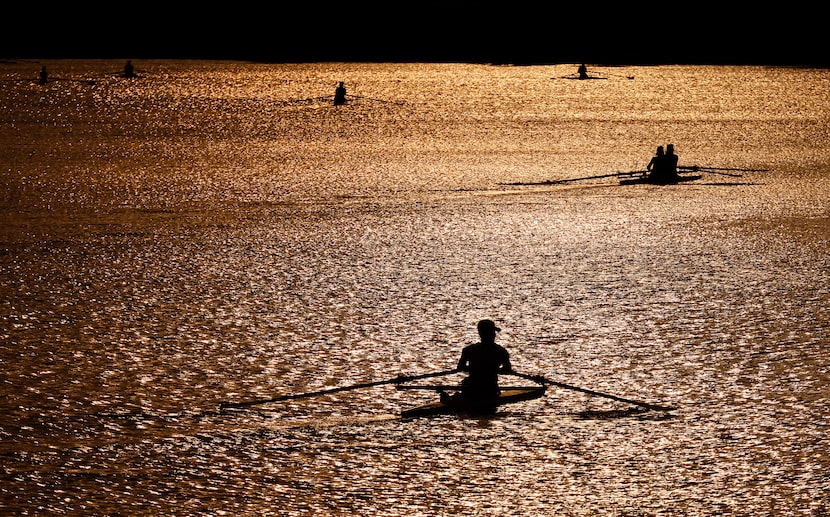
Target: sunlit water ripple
218,232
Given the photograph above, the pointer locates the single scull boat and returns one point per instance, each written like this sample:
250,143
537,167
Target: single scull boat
508,395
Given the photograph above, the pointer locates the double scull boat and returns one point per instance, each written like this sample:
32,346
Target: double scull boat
648,180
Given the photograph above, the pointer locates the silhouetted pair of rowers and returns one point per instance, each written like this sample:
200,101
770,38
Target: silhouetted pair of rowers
663,166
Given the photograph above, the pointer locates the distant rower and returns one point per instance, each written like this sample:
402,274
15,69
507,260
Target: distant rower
671,162
663,166
340,94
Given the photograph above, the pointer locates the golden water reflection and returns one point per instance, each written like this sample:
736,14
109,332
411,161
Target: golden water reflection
198,237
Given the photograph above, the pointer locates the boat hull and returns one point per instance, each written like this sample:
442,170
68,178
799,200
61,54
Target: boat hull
577,78
645,180
507,396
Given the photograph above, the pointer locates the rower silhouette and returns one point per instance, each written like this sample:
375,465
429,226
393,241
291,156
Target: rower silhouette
671,162
129,71
44,77
483,361
663,166
655,166
340,94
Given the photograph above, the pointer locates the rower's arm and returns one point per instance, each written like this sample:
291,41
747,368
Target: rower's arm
506,367
463,363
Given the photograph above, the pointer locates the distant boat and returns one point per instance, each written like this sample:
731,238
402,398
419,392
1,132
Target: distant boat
578,78
625,178
587,77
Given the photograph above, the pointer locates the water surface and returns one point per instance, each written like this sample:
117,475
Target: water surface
218,231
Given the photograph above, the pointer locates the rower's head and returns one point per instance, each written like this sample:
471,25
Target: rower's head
487,330
670,148
660,150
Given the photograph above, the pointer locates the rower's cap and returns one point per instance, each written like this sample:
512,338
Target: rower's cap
488,325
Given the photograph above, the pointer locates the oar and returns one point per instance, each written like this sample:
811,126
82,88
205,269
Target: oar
703,168
309,99
377,100
695,168
568,180
617,75
543,380
396,380
714,169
